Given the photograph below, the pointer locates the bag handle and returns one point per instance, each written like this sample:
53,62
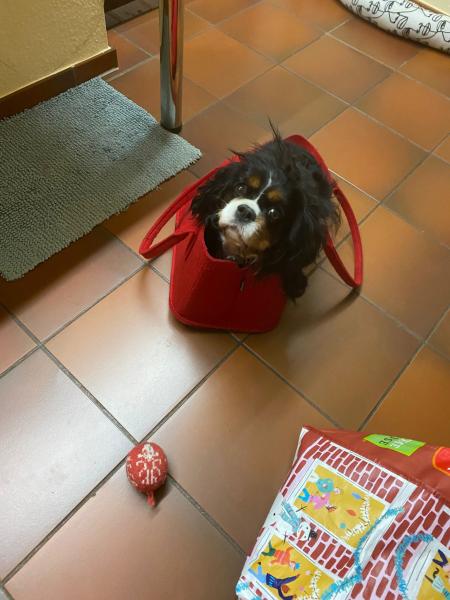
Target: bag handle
331,252
147,249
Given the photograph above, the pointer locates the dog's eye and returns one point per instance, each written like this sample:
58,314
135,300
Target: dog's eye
241,189
273,214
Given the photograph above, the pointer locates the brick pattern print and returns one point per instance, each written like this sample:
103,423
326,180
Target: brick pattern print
292,525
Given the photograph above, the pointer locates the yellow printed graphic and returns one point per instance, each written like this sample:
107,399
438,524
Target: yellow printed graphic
338,505
436,581
286,573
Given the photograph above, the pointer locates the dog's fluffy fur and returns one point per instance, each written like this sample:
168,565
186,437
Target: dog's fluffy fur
271,209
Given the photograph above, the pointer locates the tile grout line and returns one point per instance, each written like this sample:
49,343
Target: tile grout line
41,346
24,328
242,343
391,129
362,112
60,329
435,349
144,261
209,26
378,404
350,18
391,70
328,122
267,56
49,338
383,201
280,64
89,394
380,308
427,234
344,178
293,13
93,492
363,53
390,210
225,99
190,393
394,69
297,390
162,276
438,156
116,74
401,217
19,360
274,61
319,264
418,81
211,520
423,340
349,105
329,33
5,592
225,19
129,40
129,249
317,85
119,465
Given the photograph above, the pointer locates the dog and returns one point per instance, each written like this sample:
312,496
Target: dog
271,209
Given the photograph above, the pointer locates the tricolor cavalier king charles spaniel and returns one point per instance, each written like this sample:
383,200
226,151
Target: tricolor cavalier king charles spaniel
271,209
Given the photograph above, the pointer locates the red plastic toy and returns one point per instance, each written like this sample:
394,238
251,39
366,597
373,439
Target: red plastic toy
147,469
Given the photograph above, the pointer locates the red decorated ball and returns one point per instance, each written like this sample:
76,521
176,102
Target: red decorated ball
147,469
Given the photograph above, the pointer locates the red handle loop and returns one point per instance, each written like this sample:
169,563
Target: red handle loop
332,253
330,250
148,250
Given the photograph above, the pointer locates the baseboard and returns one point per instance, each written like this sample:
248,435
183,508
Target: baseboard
59,82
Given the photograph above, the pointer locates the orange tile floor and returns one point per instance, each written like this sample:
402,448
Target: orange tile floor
92,362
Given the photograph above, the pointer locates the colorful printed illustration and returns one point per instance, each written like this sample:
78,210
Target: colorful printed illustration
291,523
341,507
287,573
291,520
436,581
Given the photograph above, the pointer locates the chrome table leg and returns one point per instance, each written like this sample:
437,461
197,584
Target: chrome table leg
171,25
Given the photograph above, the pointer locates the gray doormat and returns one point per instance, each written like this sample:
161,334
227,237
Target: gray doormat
69,163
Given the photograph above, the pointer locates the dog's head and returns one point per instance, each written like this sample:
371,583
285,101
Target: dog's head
272,206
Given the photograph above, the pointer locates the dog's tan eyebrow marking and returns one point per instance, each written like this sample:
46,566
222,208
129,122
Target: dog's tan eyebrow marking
254,181
274,195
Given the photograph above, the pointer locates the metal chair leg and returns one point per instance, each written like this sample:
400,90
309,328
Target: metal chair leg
171,24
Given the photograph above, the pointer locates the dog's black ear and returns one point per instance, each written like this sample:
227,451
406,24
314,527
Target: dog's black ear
316,213
211,195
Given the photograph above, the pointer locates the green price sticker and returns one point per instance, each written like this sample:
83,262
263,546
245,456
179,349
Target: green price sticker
398,444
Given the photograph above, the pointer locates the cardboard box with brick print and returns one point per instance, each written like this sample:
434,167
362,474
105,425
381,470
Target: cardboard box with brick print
359,517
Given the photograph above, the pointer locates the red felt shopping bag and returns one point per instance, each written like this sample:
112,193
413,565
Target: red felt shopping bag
211,293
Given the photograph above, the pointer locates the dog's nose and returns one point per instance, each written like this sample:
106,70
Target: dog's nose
245,213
